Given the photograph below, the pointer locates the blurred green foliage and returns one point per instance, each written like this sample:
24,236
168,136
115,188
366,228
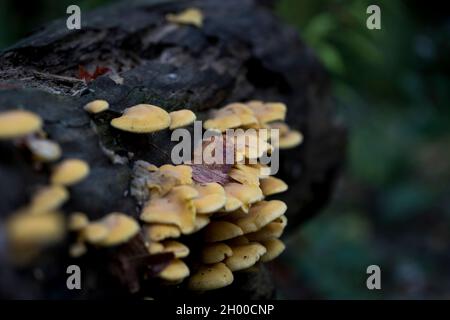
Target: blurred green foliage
392,206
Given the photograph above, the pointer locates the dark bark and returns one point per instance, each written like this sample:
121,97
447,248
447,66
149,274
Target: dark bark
242,52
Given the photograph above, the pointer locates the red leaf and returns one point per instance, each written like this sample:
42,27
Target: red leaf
86,76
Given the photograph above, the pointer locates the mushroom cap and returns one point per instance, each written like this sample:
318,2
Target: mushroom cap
245,174
272,185
96,106
238,241
158,232
181,118
43,149
176,208
245,256
247,194
154,247
70,172
142,118
222,123
290,140
18,123
77,221
30,229
261,214
190,16
211,197
177,248
201,221
232,204
48,199
120,227
221,230
211,277
269,111
272,230
274,248
95,232
215,252
245,114
182,173
175,271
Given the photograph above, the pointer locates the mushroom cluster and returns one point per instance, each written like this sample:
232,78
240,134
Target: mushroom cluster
40,222
235,225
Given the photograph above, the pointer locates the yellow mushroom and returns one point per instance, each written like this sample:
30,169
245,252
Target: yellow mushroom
261,214
174,208
18,123
35,230
77,221
70,172
77,249
274,248
245,256
269,111
221,230
247,194
211,198
287,138
272,230
95,232
96,106
158,232
177,248
142,118
272,185
190,16
211,277
182,173
48,199
121,228
181,118
245,174
176,270
215,252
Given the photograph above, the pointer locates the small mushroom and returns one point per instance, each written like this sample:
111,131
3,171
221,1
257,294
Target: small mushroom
77,221
158,232
142,118
274,248
44,149
35,230
201,221
269,111
221,230
245,174
95,232
272,230
211,198
190,16
247,194
261,214
70,172
18,123
245,256
77,249
215,252
48,199
177,248
287,138
175,208
181,118
222,123
176,270
211,277
96,106
272,185
231,204
120,228
182,173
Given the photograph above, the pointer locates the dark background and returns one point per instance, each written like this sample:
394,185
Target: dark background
392,205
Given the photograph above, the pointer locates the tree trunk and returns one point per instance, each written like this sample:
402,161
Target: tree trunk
242,52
